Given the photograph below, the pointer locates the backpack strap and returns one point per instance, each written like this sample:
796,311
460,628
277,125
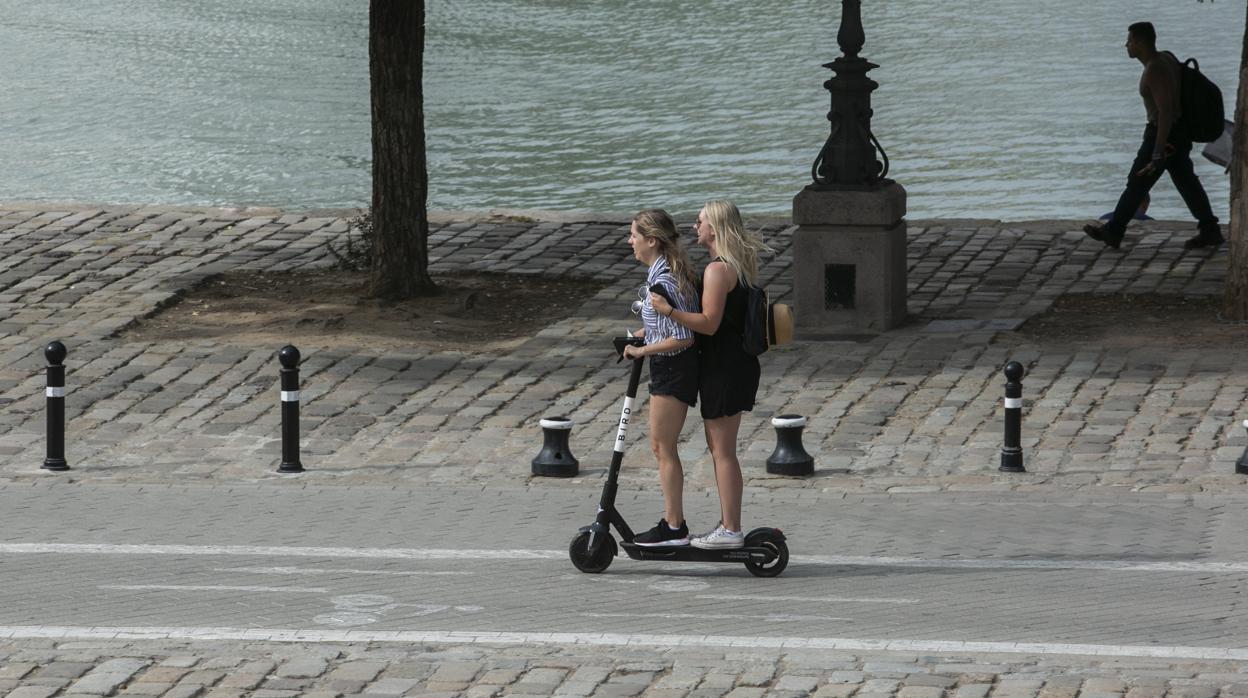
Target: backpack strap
771,324
1194,64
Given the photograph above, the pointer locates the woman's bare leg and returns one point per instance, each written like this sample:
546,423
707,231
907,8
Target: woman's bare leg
721,438
667,418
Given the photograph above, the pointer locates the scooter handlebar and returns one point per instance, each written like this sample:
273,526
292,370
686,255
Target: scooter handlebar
627,340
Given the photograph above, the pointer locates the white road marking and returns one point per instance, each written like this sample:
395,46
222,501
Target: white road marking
514,554
813,599
686,572
362,601
362,609
355,609
1027,564
317,570
281,551
679,585
212,587
769,617
345,618
615,639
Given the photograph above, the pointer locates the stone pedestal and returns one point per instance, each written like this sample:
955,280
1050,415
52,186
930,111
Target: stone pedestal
849,261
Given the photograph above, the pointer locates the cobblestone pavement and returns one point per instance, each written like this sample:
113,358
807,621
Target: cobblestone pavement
1124,533
917,408
36,669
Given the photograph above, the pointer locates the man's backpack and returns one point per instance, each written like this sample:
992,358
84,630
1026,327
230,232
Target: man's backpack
1203,115
766,324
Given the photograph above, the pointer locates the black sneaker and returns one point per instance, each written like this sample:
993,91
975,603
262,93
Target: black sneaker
1098,233
662,534
1205,239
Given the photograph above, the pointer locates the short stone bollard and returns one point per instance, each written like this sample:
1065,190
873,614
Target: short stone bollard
289,358
55,353
789,456
555,459
1241,465
1012,449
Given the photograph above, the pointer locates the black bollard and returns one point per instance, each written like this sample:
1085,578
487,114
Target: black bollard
55,353
1241,465
789,457
1012,450
289,358
555,459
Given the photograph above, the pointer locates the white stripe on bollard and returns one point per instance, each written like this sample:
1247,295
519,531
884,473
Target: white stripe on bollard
1013,403
788,421
290,396
54,392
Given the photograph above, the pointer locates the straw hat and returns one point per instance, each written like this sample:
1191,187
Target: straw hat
780,324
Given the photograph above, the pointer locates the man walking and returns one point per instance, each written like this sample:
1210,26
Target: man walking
1164,147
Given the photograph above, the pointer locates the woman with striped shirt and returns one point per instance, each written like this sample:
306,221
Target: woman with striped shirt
673,362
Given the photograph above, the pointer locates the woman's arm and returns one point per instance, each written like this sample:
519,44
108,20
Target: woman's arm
666,345
717,281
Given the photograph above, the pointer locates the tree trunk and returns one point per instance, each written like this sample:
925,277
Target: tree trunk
396,42
1236,301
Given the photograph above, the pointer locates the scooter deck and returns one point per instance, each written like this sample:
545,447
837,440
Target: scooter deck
688,553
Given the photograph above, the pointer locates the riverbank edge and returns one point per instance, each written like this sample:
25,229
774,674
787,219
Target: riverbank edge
521,215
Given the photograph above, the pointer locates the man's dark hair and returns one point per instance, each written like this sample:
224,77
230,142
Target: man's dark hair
1144,31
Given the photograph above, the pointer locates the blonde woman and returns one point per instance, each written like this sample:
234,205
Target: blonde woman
673,362
728,376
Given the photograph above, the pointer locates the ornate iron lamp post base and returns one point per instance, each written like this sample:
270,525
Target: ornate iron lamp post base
849,250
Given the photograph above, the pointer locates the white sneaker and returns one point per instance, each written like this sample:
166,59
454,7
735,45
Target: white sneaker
720,538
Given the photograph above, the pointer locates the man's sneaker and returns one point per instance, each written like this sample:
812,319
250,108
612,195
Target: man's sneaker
1097,232
1210,239
662,534
719,539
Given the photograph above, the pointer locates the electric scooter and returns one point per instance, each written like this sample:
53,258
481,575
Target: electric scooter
765,553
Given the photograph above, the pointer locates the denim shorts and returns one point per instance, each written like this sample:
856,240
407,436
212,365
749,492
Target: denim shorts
676,376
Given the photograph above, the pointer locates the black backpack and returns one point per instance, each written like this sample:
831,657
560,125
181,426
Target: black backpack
766,324
754,333
1201,100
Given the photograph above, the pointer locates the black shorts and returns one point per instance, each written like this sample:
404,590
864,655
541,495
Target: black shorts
676,376
729,382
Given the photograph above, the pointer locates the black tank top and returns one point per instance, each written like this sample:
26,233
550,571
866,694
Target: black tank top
727,339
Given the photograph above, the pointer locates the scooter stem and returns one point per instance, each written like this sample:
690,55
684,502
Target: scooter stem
607,504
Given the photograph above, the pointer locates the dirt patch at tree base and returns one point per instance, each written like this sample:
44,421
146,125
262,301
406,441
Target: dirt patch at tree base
482,313
1124,320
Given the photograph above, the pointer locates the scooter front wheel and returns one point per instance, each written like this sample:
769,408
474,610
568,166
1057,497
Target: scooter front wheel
592,561
778,548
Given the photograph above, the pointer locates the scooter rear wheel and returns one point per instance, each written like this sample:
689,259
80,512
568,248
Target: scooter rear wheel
592,561
781,560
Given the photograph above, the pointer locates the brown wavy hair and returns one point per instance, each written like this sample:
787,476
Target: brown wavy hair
655,224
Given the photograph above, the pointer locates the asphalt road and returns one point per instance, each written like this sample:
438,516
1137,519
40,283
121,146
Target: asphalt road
1131,574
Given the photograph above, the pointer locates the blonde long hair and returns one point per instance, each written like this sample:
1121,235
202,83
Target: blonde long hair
655,224
738,247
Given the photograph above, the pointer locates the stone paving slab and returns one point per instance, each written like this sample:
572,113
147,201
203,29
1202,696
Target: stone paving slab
912,410
62,667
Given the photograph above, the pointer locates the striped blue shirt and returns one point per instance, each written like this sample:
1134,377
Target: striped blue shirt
659,327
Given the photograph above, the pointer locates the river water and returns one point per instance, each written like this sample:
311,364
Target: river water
1009,109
